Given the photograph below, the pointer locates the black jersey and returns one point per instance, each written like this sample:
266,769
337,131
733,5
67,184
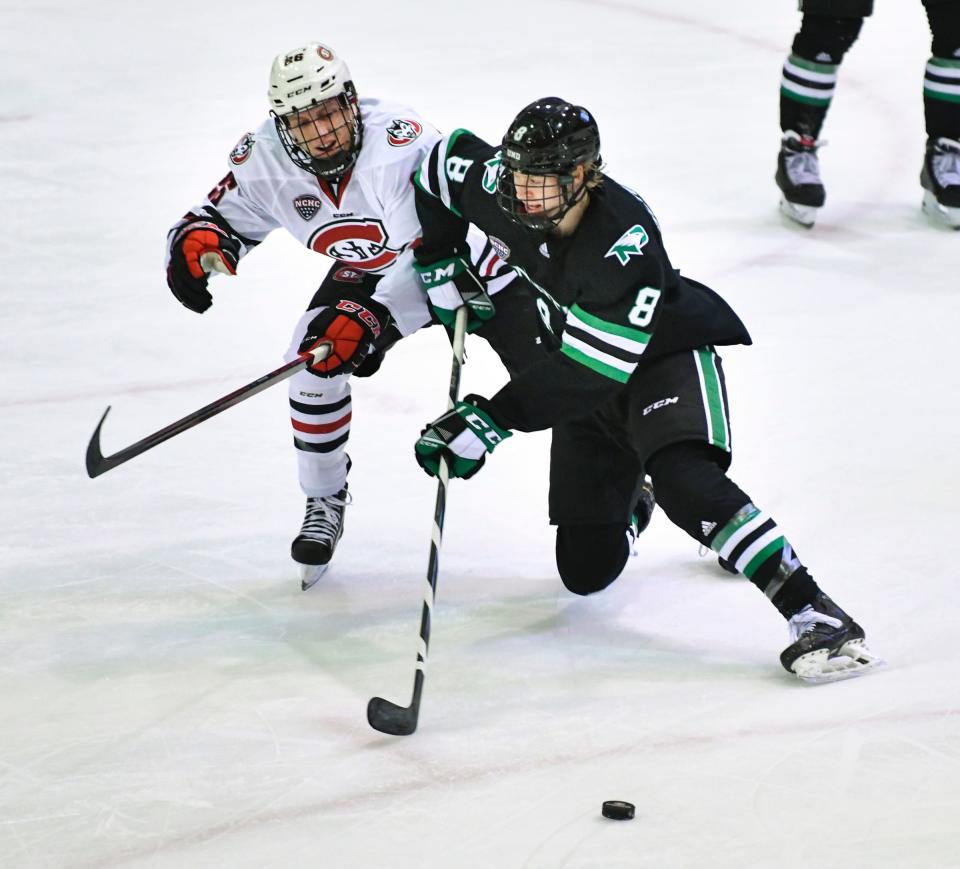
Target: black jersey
622,301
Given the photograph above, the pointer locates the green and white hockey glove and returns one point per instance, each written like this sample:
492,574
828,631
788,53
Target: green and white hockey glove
463,436
450,283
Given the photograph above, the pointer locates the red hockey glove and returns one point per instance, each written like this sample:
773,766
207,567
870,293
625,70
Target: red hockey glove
198,249
349,327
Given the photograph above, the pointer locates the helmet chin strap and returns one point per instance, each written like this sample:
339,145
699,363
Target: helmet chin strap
569,199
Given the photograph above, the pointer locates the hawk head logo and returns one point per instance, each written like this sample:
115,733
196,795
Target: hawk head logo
629,244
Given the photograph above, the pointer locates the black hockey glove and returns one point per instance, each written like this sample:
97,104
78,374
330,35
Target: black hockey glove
452,282
350,327
199,248
463,436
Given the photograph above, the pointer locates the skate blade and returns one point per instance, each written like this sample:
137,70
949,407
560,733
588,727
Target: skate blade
940,214
805,215
854,659
310,574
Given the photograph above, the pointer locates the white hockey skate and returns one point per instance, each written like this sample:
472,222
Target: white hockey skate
322,528
940,179
798,177
827,645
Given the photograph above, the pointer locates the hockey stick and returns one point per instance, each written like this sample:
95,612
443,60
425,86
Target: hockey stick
383,715
98,463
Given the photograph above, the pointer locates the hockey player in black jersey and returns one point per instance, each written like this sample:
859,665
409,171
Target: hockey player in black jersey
636,385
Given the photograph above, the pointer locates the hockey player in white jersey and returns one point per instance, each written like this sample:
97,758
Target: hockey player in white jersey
334,171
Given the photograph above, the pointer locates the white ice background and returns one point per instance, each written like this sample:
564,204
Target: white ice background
169,697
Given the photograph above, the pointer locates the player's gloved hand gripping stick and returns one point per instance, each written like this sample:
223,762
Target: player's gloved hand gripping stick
451,284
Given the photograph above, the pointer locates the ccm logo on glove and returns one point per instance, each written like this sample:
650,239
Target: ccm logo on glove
362,313
349,328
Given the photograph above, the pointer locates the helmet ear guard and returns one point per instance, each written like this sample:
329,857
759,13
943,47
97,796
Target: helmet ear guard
549,137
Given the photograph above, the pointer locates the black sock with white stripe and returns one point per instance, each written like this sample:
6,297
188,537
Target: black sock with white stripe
810,72
941,98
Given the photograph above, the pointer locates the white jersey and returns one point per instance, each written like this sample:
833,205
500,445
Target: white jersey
366,221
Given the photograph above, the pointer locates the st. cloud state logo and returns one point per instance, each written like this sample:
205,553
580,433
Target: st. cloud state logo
361,243
403,131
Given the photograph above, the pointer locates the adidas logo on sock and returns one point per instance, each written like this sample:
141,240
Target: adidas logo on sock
707,527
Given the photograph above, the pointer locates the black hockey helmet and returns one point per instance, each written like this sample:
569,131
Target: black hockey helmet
548,137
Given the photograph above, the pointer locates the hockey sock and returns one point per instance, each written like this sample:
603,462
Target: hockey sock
810,71
696,494
941,98
941,83
753,543
591,557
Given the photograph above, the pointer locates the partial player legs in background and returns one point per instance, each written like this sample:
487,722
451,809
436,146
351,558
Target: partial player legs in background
809,78
695,493
940,176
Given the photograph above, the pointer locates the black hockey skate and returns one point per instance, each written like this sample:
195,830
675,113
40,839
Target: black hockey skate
322,528
940,179
642,514
827,644
798,177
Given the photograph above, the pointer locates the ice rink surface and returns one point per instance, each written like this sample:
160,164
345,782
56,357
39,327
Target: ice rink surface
171,699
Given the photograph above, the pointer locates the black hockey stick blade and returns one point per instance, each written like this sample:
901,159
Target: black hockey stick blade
389,718
96,463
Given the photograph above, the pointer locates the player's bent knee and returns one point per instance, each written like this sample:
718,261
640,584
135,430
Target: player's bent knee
591,557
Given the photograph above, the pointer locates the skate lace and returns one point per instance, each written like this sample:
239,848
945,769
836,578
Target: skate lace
323,516
808,619
946,163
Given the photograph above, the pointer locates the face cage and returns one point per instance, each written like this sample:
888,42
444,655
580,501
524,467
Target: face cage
340,160
516,210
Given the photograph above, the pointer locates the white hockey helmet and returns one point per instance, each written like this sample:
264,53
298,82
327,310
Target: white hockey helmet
300,81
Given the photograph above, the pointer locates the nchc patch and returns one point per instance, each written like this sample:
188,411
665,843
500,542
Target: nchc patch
500,247
307,205
403,131
242,150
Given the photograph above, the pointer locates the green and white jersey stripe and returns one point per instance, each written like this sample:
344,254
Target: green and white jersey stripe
608,348
718,428
942,80
807,81
441,167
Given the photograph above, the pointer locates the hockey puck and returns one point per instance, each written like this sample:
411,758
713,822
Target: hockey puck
618,810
